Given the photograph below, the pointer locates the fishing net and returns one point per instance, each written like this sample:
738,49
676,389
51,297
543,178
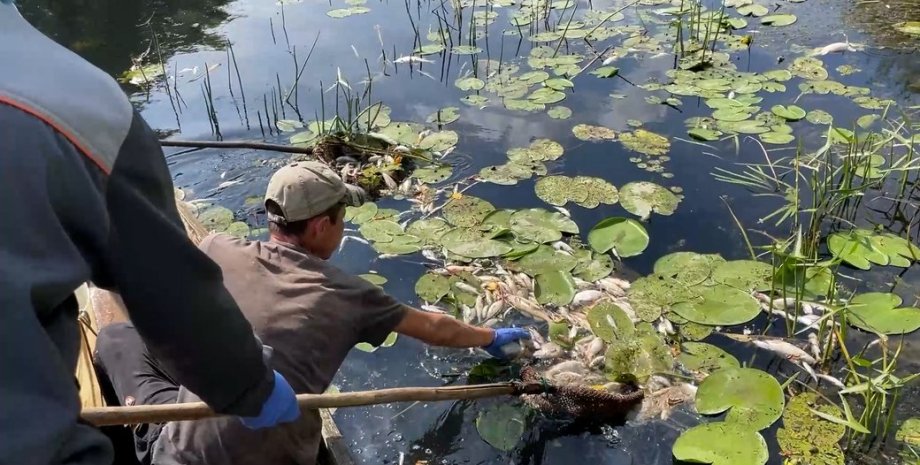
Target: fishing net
578,400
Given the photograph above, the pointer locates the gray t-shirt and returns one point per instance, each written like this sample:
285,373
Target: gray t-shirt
311,314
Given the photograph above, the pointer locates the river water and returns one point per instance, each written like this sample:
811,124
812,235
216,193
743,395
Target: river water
192,36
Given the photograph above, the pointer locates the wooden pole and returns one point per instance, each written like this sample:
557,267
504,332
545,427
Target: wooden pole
104,416
235,144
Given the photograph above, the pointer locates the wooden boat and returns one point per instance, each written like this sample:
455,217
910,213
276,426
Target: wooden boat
99,308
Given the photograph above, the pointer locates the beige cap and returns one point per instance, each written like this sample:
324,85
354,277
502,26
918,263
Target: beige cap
306,189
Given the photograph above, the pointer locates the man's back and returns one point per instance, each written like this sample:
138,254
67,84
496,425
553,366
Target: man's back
311,314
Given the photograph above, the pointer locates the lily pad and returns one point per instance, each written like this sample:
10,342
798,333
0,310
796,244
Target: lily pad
638,357
778,20
808,68
654,294
721,443
546,95
544,260
908,27
473,244
642,198
381,230
374,279
645,142
216,218
430,49
586,191
719,305
856,248
359,215
238,229
606,71
444,116
554,287
625,237
429,230
465,50
439,141
596,267
808,438
746,275
559,112
502,425
773,137
467,211
878,312
909,431
469,83
538,225
400,245
433,174
388,342
704,134
431,287
819,117
609,322
593,133
706,358
790,113
687,268
753,398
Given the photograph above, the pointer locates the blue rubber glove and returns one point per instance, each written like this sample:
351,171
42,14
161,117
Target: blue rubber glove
503,337
280,407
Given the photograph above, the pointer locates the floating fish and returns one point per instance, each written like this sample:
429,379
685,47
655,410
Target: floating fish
572,366
836,47
412,59
776,345
562,210
432,308
549,351
830,379
595,347
586,297
665,326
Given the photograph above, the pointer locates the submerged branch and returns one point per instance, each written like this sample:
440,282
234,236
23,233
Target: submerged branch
235,144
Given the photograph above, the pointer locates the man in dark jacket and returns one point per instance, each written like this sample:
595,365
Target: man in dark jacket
85,195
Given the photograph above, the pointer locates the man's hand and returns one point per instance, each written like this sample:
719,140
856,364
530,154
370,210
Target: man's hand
280,407
504,336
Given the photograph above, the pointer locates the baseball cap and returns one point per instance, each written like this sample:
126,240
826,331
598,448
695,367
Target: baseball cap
306,189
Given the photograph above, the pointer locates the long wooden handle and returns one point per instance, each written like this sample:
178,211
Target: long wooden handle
104,416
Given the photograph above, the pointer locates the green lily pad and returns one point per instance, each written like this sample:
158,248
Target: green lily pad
433,174
596,267
523,105
819,117
216,218
642,198
790,113
908,27
687,268
778,75
388,342
645,142
429,230
431,287
359,215
475,100
444,116
559,83
606,71
638,357
520,249
652,295
731,114
375,116
773,137
554,287
303,138
439,141
909,431
752,9
400,245
465,50
705,358
374,279
546,95
593,133
586,191
746,275
533,77
543,260
721,443
808,68
538,225
502,425
778,20
625,237
402,133
609,322
719,305
753,398
430,49
877,312
704,134
469,83
856,248
510,173
467,211
559,112
473,244
380,230
808,438
238,229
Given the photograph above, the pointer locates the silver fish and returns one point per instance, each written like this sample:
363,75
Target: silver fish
432,308
466,288
411,59
572,366
595,347
586,297
548,351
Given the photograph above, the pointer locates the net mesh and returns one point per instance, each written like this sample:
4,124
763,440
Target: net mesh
579,400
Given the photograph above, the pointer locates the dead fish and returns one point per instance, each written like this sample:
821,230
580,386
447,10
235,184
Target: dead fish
480,307
548,351
566,377
572,366
389,181
836,47
659,403
586,297
609,60
411,59
597,362
529,307
785,349
430,255
467,313
814,345
352,238
665,326
564,211
384,256
466,288
345,159
830,379
494,309
581,284
563,247
432,308
535,337
401,149
595,347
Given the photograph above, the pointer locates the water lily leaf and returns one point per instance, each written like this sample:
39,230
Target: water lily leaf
439,141
431,287
430,49
819,117
596,267
473,244
808,438
704,134
778,20
743,127
469,83
444,116
510,173
642,198
606,71
754,397
520,249
773,137
216,218
638,357
908,27
626,237
238,229
288,125
705,358
593,133
523,105
586,191
400,245
388,342
652,295
554,287
747,275
502,425
538,225
752,9
909,431
303,138
544,149
465,50
558,83
373,278
687,268
433,174
380,230
877,312
790,113
475,100
429,230
610,322
808,68
467,211
645,142
543,260
339,13
856,248
559,112
778,75
533,77
402,133
719,305
721,443
358,215
546,95
865,121
731,114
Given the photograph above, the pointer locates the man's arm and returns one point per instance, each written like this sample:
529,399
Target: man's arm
443,330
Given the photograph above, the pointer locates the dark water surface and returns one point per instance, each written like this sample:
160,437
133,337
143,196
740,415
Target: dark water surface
194,34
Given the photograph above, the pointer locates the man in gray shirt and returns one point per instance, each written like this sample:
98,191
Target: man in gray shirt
310,312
